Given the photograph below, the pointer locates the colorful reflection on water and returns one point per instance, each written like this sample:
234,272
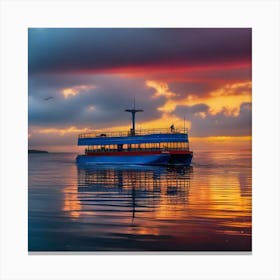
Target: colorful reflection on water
206,207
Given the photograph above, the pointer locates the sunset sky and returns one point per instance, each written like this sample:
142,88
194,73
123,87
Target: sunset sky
83,79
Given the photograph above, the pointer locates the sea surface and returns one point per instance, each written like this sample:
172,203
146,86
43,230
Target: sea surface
206,207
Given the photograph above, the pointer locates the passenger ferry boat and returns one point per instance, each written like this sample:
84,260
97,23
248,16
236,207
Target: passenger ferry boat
167,146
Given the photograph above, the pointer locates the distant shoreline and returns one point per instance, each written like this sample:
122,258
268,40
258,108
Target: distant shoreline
37,152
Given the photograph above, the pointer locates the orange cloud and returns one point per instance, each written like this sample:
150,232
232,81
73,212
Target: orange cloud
243,88
75,90
161,88
226,99
63,131
163,122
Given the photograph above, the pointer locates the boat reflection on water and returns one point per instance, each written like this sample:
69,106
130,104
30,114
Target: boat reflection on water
141,208
134,188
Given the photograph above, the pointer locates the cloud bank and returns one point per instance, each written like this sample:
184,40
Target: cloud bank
83,79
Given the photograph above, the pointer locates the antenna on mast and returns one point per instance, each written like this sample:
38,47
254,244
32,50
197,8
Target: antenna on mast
133,111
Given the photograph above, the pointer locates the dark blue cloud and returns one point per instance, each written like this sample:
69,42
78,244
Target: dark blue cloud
217,125
80,49
184,89
182,110
109,97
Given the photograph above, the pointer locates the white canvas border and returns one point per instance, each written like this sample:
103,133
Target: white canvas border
17,16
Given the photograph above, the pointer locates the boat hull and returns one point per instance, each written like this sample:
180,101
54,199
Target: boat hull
180,158
130,159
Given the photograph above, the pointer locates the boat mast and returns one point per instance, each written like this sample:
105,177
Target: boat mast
133,111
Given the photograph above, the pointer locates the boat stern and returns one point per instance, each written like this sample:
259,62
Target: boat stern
180,158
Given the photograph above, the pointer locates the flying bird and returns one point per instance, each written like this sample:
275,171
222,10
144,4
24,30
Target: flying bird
48,98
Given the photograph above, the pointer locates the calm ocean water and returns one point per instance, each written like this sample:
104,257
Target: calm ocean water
206,207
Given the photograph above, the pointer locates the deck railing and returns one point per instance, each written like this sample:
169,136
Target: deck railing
138,132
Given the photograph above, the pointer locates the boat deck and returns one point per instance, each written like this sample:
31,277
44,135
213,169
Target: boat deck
140,132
